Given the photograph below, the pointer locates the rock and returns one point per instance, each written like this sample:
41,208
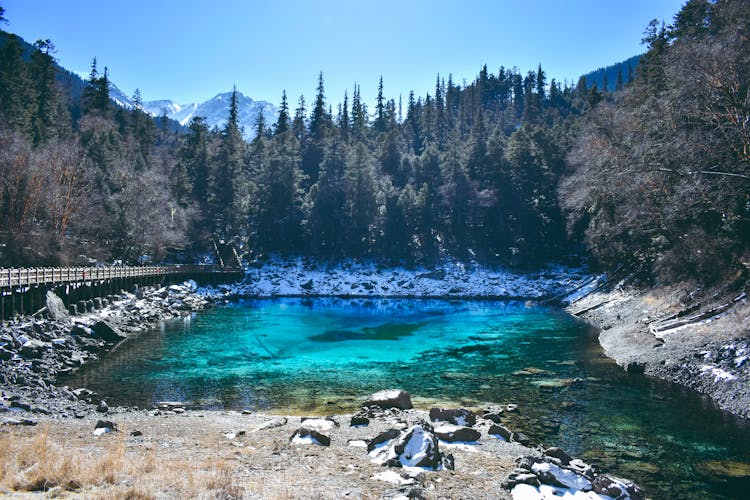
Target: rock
104,427
499,430
417,447
520,438
102,407
5,355
391,398
381,438
617,488
56,307
136,433
458,416
636,367
73,310
308,285
552,474
357,420
454,433
33,349
20,405
107,332
559,454
309,436
493,417
516,478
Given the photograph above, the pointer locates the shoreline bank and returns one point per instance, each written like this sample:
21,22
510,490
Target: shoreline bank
701,345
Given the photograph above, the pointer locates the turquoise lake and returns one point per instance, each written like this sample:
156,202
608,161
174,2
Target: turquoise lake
324,356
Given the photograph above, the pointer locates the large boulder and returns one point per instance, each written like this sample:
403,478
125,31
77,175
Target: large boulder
56,309
459,416
416,446
107,332
390,398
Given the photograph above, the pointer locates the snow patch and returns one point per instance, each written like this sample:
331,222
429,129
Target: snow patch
718,373
392,477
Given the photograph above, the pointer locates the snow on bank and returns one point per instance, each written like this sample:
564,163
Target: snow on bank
295,277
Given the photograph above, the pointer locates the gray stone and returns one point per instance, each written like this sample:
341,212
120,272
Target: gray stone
499,430
459,416
559,454
102,407
33,349
391,398
56,307
107,332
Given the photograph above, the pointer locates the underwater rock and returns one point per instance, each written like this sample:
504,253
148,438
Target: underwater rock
458,416
390,398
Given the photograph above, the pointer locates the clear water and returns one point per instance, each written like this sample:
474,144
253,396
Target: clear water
325,356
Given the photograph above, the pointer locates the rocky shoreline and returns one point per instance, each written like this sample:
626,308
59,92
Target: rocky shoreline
36,352
670,334
386,450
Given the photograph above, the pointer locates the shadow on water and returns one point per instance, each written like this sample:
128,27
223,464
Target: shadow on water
325,355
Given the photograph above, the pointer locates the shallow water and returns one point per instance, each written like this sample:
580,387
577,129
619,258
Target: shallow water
326,355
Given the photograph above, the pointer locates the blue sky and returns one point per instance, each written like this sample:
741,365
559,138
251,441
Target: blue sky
190,50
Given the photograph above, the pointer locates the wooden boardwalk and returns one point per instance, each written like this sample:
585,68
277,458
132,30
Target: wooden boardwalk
24,277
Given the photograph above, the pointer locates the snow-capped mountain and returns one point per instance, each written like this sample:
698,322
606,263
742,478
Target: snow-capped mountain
215,110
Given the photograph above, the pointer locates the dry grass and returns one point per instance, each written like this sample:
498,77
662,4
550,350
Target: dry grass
41,460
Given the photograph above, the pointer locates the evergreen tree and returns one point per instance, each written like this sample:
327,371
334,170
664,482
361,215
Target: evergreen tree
283,123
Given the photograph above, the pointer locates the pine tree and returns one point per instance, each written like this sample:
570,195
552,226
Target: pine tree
618,82
319,117
283,123
379,125
298,125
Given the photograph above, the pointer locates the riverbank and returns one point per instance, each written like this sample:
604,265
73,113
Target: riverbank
37,351
452,279
675,335
387,450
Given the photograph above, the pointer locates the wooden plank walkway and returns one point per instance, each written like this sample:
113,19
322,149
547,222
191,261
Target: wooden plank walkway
20,277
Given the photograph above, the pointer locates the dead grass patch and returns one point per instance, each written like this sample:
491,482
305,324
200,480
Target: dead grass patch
108,467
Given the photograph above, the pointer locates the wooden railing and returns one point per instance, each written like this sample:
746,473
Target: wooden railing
10,278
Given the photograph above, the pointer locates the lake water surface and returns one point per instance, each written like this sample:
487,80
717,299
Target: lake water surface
324,356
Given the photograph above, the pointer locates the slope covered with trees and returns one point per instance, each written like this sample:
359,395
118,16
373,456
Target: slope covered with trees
511,168
660,174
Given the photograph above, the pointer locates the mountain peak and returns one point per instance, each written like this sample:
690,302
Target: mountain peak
215,110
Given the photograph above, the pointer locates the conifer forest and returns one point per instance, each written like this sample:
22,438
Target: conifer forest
646,166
